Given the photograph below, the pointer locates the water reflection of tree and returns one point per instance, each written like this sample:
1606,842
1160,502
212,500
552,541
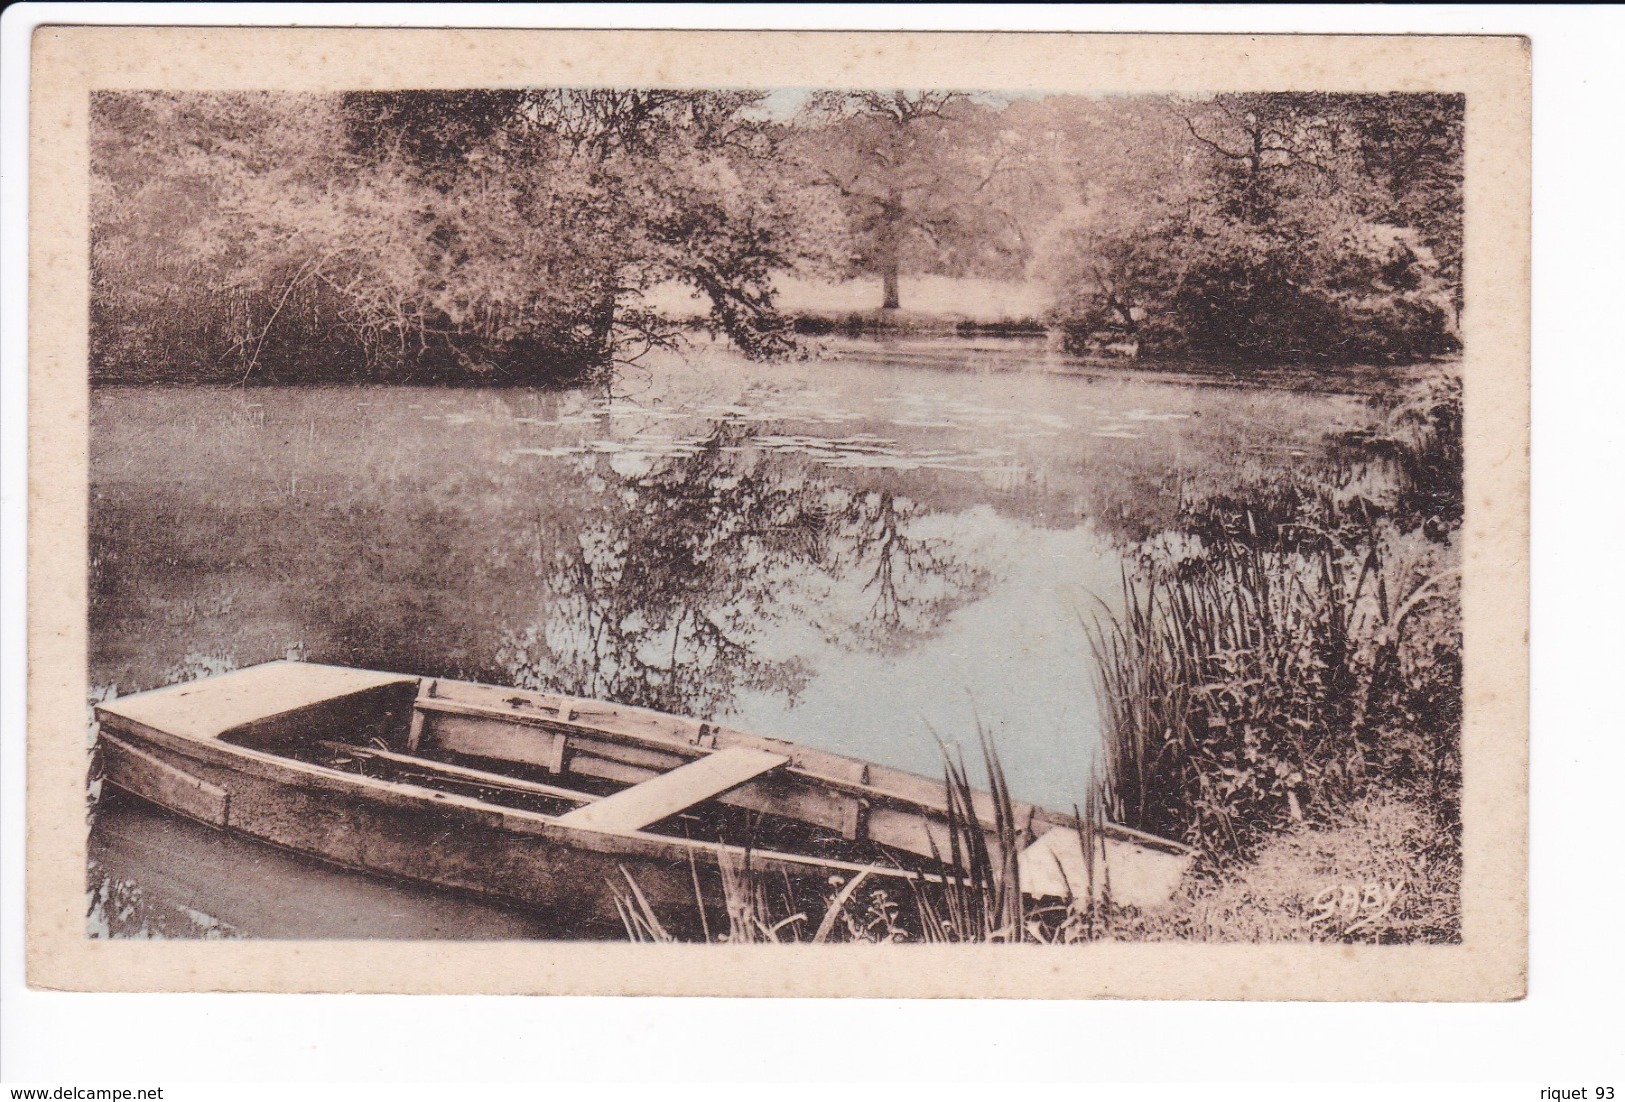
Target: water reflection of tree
666,593
914,583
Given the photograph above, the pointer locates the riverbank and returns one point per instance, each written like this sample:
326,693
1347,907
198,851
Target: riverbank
1026,353
1281,688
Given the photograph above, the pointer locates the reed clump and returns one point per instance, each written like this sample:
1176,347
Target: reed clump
1278,664
970,892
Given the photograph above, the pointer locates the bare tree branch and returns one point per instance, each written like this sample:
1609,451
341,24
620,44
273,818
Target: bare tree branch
1213,145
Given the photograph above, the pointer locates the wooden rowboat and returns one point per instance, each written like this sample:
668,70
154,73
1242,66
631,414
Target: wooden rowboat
557,804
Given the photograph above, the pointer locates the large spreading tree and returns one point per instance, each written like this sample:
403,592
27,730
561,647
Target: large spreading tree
918,175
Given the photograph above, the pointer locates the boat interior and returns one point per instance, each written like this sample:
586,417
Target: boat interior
601,767
595,766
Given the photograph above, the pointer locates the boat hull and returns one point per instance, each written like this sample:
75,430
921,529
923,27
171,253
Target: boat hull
572,879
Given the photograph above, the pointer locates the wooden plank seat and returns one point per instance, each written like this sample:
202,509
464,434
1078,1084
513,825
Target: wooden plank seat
666,794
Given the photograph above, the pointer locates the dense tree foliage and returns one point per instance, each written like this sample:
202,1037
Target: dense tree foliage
1275,228
492,235
518,235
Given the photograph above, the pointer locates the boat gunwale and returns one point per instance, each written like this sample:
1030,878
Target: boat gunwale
673,743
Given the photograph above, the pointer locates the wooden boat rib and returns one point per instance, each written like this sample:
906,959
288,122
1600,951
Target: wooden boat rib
550,802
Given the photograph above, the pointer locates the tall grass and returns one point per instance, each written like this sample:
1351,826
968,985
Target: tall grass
979,898
1263,679
1421,436
1220,680
971,893
761,909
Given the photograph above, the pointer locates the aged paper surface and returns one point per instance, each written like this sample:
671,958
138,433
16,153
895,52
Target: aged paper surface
1489,962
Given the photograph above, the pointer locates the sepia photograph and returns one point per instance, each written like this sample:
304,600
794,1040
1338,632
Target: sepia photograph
789,514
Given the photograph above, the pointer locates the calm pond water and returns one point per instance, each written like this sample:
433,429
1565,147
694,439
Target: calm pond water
867,553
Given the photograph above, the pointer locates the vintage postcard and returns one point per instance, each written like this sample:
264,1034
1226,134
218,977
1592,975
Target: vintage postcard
778,513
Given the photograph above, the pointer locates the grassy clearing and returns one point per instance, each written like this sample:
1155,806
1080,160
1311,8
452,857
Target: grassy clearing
1378,871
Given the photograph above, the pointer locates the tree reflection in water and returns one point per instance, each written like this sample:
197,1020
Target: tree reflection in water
914,584
664,595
